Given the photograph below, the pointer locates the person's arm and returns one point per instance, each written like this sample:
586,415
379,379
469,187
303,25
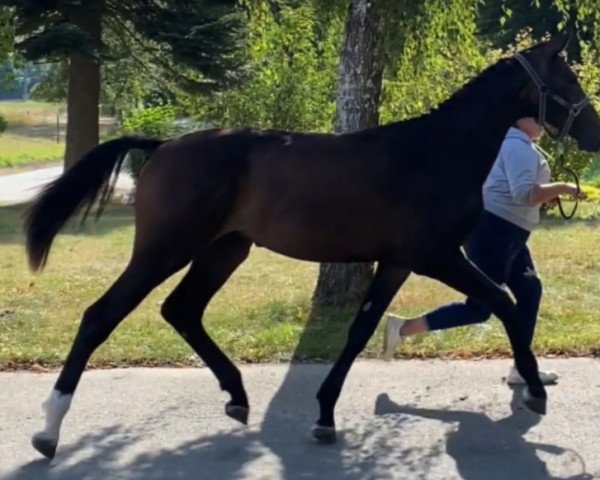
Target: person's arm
521,165
548,192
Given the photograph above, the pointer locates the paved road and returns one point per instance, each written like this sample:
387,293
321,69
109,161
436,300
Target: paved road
405,420
22,187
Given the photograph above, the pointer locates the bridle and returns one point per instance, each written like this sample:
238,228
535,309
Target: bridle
574,110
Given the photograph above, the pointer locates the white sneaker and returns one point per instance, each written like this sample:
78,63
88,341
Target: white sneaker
515,378
392,336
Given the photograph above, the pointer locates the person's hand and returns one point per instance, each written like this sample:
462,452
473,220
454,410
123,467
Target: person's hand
551,203
572,190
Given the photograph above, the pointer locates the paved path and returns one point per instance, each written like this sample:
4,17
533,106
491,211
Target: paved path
405,420
22,187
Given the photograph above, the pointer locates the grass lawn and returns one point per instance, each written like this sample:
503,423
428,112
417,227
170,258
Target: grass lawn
18,150
261,313
31,135
29,113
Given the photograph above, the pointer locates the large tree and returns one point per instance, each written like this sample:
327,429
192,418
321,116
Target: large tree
199,35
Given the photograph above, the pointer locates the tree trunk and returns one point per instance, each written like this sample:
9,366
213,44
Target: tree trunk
83,95
359,92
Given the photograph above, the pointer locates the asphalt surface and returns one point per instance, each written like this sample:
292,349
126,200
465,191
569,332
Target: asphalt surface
406,420
22,187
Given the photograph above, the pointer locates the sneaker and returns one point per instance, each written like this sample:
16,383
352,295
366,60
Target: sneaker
515,378
392,336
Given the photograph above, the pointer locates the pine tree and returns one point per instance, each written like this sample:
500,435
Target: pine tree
200,35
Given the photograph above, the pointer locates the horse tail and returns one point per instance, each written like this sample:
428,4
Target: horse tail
81,185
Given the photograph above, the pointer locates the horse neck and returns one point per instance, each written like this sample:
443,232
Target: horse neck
480,118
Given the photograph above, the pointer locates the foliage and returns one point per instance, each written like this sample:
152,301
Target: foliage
53,88
7,33
3,124
129,79
427,41
131,75
293,70
500,21
203,35
145,47
436,51
154,121
584,15
592,193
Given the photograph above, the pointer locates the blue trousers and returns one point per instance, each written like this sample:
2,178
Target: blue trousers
499,249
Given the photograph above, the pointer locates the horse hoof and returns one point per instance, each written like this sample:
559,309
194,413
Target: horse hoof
535,404
44,444
324,434
237,412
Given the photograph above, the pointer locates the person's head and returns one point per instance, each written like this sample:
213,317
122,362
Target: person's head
530,126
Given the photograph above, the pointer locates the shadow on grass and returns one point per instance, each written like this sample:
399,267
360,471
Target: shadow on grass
114,217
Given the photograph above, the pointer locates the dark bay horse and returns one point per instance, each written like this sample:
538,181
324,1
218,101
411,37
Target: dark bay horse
404,195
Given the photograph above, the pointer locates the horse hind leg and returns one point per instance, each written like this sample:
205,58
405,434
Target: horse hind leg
184,308
142,275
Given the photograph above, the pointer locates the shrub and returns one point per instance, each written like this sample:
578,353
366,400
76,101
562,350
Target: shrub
154,121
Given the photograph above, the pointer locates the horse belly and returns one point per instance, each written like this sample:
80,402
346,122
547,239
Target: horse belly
318,244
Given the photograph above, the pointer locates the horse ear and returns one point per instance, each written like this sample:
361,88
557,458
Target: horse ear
560,42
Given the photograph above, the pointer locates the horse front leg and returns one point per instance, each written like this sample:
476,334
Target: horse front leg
386,282
453,269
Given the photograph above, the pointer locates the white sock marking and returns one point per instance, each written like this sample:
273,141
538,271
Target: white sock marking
56,407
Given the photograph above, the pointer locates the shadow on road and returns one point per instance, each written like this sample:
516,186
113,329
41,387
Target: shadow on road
370,448
484,448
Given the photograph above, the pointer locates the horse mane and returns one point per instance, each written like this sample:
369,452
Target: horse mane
493,78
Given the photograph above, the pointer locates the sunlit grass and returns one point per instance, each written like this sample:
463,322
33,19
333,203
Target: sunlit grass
17,150
29,113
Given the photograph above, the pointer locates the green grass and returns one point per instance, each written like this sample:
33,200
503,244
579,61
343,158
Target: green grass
29,113
18,150
31,135
261,313
14,105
